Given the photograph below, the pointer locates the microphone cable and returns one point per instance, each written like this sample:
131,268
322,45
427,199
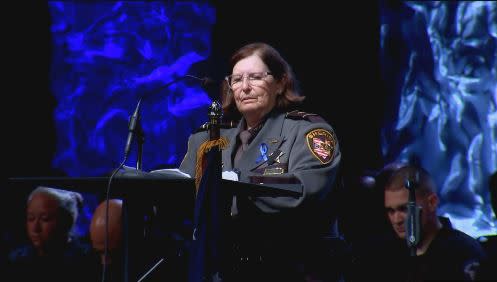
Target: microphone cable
107,198
204,81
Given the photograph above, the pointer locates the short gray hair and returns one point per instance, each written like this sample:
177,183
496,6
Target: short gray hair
69,202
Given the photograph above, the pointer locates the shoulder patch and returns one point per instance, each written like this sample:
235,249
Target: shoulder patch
304,115
321,143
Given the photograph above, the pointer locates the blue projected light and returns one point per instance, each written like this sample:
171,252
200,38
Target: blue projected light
440,58
105,56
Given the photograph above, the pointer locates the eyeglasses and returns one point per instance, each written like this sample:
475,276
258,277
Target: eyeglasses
235,81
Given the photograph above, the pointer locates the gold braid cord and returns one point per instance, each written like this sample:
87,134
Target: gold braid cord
205,147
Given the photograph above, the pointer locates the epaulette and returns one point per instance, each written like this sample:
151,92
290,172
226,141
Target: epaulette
303,115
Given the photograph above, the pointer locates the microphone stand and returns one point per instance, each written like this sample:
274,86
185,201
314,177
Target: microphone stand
215,115
412,226
140,139
412,236
136,130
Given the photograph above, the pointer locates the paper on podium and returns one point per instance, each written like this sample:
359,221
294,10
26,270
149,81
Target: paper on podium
230,175
165,173
230,179
173,172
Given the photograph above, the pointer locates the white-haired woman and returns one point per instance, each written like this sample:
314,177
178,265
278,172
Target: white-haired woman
53,252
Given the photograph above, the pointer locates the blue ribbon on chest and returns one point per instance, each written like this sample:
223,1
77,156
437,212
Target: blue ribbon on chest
263,150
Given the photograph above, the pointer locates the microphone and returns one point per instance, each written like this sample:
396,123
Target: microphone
413,214
134,122
208,84
204,81
132,128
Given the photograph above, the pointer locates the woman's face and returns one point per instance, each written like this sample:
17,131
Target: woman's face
255,90
41,221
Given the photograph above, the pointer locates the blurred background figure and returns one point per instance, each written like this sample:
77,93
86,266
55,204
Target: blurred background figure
162,257
53,252
367,225
442,253
488,272
113,259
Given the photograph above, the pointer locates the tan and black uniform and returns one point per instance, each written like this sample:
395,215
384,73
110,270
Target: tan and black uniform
287,147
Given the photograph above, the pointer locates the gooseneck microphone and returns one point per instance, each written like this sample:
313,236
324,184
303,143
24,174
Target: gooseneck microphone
135,130
204,81
132,128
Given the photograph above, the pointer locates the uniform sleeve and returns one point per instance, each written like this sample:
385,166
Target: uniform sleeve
190,159
313,159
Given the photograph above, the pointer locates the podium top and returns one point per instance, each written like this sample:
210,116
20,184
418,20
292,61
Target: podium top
130,183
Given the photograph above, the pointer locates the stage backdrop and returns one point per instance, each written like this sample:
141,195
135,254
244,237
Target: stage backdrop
105,56
440,62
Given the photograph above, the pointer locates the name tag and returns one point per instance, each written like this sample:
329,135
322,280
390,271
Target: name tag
273,171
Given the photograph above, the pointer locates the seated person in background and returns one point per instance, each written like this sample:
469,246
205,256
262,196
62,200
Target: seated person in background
113,259
160,262
443,253
53,252
371,225
488,270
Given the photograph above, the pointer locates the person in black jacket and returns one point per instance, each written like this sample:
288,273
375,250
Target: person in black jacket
488,270
443,253
53,253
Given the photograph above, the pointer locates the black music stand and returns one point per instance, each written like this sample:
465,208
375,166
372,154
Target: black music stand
135,188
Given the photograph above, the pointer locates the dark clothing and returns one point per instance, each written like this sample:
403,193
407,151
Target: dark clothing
488,269
452,256
73,262
113,273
